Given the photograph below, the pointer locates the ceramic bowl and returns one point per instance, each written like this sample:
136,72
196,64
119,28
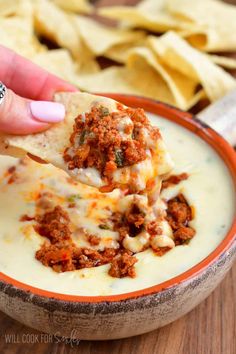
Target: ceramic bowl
125,315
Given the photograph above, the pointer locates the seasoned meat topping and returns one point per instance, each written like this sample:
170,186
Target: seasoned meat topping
136,233
174,179
54,225
122,265
63,255
179,214
93,240
109,140
129,223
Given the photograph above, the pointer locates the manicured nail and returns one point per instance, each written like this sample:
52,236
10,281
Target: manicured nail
50,112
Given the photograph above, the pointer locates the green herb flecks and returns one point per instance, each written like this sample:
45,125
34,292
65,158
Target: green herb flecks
72,198
186,242
82,137
104,227
119,158
104,111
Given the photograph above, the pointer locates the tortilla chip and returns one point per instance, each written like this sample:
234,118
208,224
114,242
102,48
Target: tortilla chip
121,52
179,55
91,66
16,8
54,24
225,62
144,76
128,80
50,145
79,6
99,38
17,34
9,8
151,15
182,87
213,23
22,15
58,62
5,149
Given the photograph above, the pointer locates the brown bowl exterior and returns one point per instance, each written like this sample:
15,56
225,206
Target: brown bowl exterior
125,315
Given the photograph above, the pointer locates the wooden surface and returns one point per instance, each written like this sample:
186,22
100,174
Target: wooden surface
209,329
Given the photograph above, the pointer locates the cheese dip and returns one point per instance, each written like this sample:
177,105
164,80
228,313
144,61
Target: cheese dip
208,189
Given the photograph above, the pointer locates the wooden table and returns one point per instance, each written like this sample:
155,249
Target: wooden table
209,329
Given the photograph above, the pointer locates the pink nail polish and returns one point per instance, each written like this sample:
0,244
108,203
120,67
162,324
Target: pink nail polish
49,112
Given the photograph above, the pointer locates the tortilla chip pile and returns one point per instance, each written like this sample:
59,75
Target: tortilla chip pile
162,46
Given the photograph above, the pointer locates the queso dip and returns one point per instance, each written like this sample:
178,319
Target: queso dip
209,189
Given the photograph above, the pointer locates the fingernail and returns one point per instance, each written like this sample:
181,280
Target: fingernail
50,112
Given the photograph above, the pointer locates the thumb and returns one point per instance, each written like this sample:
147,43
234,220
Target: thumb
23,116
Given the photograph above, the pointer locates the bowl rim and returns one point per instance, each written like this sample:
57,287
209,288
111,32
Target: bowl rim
222,148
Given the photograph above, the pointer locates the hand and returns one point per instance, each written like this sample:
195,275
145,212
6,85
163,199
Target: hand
26,107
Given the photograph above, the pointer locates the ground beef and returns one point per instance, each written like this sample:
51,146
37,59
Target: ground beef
66,256
61,254
160,251
54,225
179,214
153,228
123,265
120,225
179,210
57,256
129,223
87,258
93,240
96,140
134,152
184,233
26,217
174,179
135,216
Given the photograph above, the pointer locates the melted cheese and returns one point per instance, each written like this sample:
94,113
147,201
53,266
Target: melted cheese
209,189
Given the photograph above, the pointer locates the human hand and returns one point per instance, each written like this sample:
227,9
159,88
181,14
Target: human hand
26,107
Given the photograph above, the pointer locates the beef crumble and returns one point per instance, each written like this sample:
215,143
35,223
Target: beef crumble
129,223
179,214
97,140
174,179
93,240
122,265
66,256
61,254
54,225
26,217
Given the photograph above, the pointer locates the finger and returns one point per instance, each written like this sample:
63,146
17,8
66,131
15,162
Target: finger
28,79
22,116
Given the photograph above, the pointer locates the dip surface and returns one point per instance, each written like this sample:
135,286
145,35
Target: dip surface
209,189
